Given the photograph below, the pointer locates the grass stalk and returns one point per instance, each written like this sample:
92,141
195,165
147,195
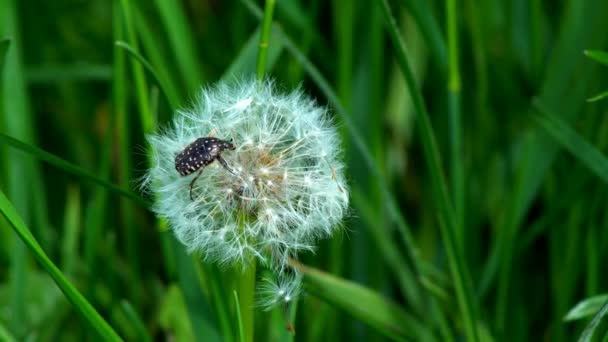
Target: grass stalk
447,220
260,69
454,122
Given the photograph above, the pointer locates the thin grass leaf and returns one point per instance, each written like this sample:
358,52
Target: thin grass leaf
422,12
365,305
181,40
147,118
598,56
447,220
135,319
264,39
81,305
457,179
71,168
77,72
162,82
598,97
597,327
389,250
587,307
238,315
569,139
245,62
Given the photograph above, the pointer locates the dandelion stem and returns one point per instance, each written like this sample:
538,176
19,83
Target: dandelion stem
264,38
246,301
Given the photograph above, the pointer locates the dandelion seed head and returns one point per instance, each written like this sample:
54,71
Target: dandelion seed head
287,188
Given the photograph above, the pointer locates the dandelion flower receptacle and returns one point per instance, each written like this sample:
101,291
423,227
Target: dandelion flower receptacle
275,193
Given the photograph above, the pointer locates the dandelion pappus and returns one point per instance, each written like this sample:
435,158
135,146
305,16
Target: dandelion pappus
202,152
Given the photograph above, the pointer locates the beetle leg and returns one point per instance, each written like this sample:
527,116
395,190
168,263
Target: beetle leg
192,183
225,165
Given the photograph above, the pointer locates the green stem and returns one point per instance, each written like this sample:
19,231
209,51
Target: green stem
264,38
456,160
447,222
246,301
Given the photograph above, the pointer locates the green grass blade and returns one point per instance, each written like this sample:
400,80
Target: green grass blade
597,327
264,39
238,316
70,168
598,97
71,230
447,220
587,307
454,121
137,323
365,305
423,14
598,56
162,81
182,43
148,120
245,62
81,305
568,138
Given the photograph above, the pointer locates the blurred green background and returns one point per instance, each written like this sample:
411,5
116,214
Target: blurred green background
477,168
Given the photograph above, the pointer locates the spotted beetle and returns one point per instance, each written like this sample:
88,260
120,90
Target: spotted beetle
202,152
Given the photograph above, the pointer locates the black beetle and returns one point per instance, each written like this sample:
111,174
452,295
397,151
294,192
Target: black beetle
202,152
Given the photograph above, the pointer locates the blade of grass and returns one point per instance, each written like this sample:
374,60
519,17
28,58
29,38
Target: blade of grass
162,81
365,304
77,72
264,39
81,305
148,121
71,230
598,56
447,221
454,123
245,62
598,97
29,197
343,25
71,168
568,138
587,307
423,14
238,316
597,327
135,319
155,52
182,42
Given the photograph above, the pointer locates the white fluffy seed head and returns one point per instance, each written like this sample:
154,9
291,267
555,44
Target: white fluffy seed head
287,188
